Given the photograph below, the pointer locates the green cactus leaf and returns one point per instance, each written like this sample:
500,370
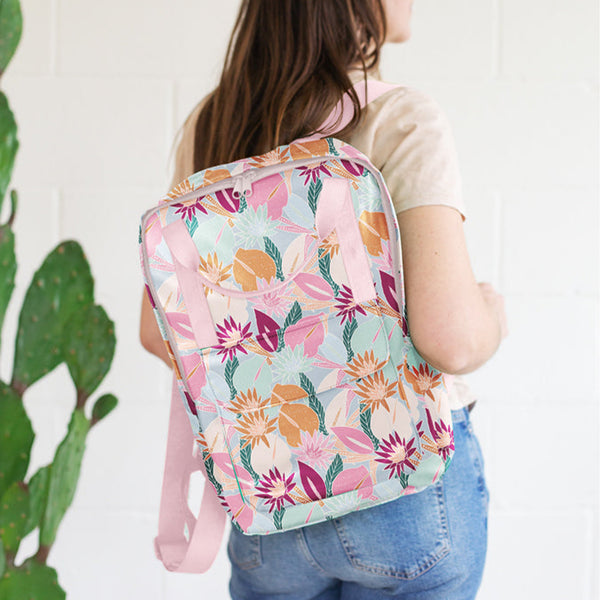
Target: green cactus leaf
14,508
9,144
16,438
103,406
38,498
63,476
89,348
8,268
60,288
11,27
31,581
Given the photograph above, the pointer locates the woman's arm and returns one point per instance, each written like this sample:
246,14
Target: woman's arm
456,324
150,334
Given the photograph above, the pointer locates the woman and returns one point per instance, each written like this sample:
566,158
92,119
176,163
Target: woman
289,62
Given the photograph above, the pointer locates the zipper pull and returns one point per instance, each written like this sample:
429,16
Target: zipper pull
243,184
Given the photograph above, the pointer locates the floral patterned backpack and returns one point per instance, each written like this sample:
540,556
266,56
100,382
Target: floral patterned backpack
277,285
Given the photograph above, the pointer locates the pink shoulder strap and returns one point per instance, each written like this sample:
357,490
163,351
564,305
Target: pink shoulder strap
185,544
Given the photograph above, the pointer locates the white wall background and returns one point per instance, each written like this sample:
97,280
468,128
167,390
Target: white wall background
99,90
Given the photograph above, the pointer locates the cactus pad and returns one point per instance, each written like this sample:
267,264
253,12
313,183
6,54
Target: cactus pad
8,268
16,438
31,581
38,498
61,287
89,348
103,406
63,477
8,139
14,506
11,26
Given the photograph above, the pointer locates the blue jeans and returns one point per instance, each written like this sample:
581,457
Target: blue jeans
427,546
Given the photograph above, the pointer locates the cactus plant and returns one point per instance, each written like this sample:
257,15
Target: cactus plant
58,323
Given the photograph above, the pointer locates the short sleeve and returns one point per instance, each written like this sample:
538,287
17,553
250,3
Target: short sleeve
413,146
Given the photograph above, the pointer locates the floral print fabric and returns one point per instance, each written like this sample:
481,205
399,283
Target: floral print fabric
310,404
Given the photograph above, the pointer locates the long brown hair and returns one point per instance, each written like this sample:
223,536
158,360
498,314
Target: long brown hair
286,67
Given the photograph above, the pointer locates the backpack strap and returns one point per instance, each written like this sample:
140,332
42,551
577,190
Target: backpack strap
367,91
185,544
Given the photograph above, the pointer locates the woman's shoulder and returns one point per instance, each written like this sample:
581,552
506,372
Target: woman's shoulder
405,105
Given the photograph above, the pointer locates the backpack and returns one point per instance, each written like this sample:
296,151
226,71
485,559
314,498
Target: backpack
276,282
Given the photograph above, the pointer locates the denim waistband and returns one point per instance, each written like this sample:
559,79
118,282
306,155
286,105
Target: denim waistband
462,414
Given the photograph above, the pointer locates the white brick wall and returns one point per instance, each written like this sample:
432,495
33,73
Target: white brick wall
99,90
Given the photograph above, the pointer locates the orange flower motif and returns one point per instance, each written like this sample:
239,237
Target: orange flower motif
180,189
422,379
273,157
375,391
254,428
362,365
248,402
330,245
214,270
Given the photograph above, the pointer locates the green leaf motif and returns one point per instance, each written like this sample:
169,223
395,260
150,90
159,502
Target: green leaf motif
60,288
11,27
325,270
293,316
314,403
209,464
314,191
14,507
64,475
16,438
192,225
447,463
349,330
272,250
245,457
278,518
335,468
9,144
89,348
230,367
306,385
365,423
31,581
403,480
332,148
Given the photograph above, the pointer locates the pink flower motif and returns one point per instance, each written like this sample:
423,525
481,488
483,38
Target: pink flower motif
395,452
275,488
275,303
315,449
443,436
346,305
313,173
189,210
230,336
